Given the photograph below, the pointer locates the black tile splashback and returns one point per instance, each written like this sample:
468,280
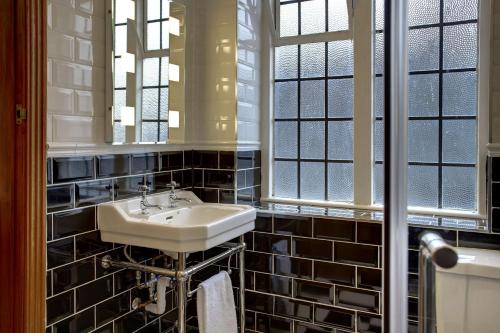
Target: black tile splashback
144,163
113,165
67,169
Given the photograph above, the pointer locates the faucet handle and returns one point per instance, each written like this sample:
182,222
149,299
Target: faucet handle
143,188
173,185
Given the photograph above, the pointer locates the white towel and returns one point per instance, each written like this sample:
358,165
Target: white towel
215,305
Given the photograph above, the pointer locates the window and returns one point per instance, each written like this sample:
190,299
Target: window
314,95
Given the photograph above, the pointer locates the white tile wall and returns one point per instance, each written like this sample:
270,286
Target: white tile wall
76,73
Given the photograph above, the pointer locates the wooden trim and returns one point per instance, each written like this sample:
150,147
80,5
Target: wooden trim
23,161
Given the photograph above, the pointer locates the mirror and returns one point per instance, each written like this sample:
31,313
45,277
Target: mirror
147,70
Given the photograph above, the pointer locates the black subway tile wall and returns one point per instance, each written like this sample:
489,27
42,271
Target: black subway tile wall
494,193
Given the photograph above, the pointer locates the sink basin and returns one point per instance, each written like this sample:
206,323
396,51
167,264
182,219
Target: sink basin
191,226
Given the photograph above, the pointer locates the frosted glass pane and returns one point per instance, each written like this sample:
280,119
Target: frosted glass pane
459,188
149,132
286,62
312,139
118,132
312,60
312,99
378,185
379,96
338,16
313,17
379,14
118,103
460,94
459,141
422,186
423,95
379,53
312,180
340,140
378,140
423,140
163,132
285,139
150,104
340,182
153,10
151,72
423,12
460,46
120,74
164,71
340,58
154,36
286,97
120,39
423,49
121,11
289,20
164,103
285,179
165,34
340,98
460,10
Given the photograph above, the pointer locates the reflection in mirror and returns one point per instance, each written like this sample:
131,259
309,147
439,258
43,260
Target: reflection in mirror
148,69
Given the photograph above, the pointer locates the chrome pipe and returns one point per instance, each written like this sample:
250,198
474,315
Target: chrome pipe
181,294
434,251
242,284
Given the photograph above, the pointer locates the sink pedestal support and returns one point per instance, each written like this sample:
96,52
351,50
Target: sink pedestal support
242,286
181,294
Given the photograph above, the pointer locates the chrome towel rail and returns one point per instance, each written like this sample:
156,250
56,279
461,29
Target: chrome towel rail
434,251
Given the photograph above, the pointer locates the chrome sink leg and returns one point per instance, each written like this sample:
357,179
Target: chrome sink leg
181,294
242,286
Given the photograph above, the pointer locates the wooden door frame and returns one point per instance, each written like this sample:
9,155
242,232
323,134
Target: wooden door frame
23,81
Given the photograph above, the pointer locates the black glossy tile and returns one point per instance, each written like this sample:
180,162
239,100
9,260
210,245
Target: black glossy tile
183,178
272,324
413,261
59,307
293,225
258,302
240,179
198,178
270,243
153,327
142,253
312,248
60,252
356,254
68,169
207,195
92,193
369,323
226,197
105,329
48,226
124,280
162,181
245,196
127,187
369,233
260,262
313,291
49,171
82,322
273,284
219,179
112,308
60,197
334,229
369,278
479,240
495,194
334,317
172,160
116,254
250,320
450,236
264,222
495,220
413,285
144,163
89,244
357,299
309,328
73,222
293,309
72,275
294,267
188,159
248,159
252,177
48,283
334,273
412,327
113,165
495,169
206,159
412,308
226,160
94,292
130,322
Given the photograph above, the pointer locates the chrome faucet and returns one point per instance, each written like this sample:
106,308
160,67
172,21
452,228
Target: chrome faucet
172,196
144,200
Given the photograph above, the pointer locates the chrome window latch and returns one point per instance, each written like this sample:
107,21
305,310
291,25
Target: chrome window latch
21,114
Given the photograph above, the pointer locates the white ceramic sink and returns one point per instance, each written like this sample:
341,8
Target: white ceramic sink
189,227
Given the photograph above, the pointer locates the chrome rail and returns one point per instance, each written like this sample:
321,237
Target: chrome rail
434,251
